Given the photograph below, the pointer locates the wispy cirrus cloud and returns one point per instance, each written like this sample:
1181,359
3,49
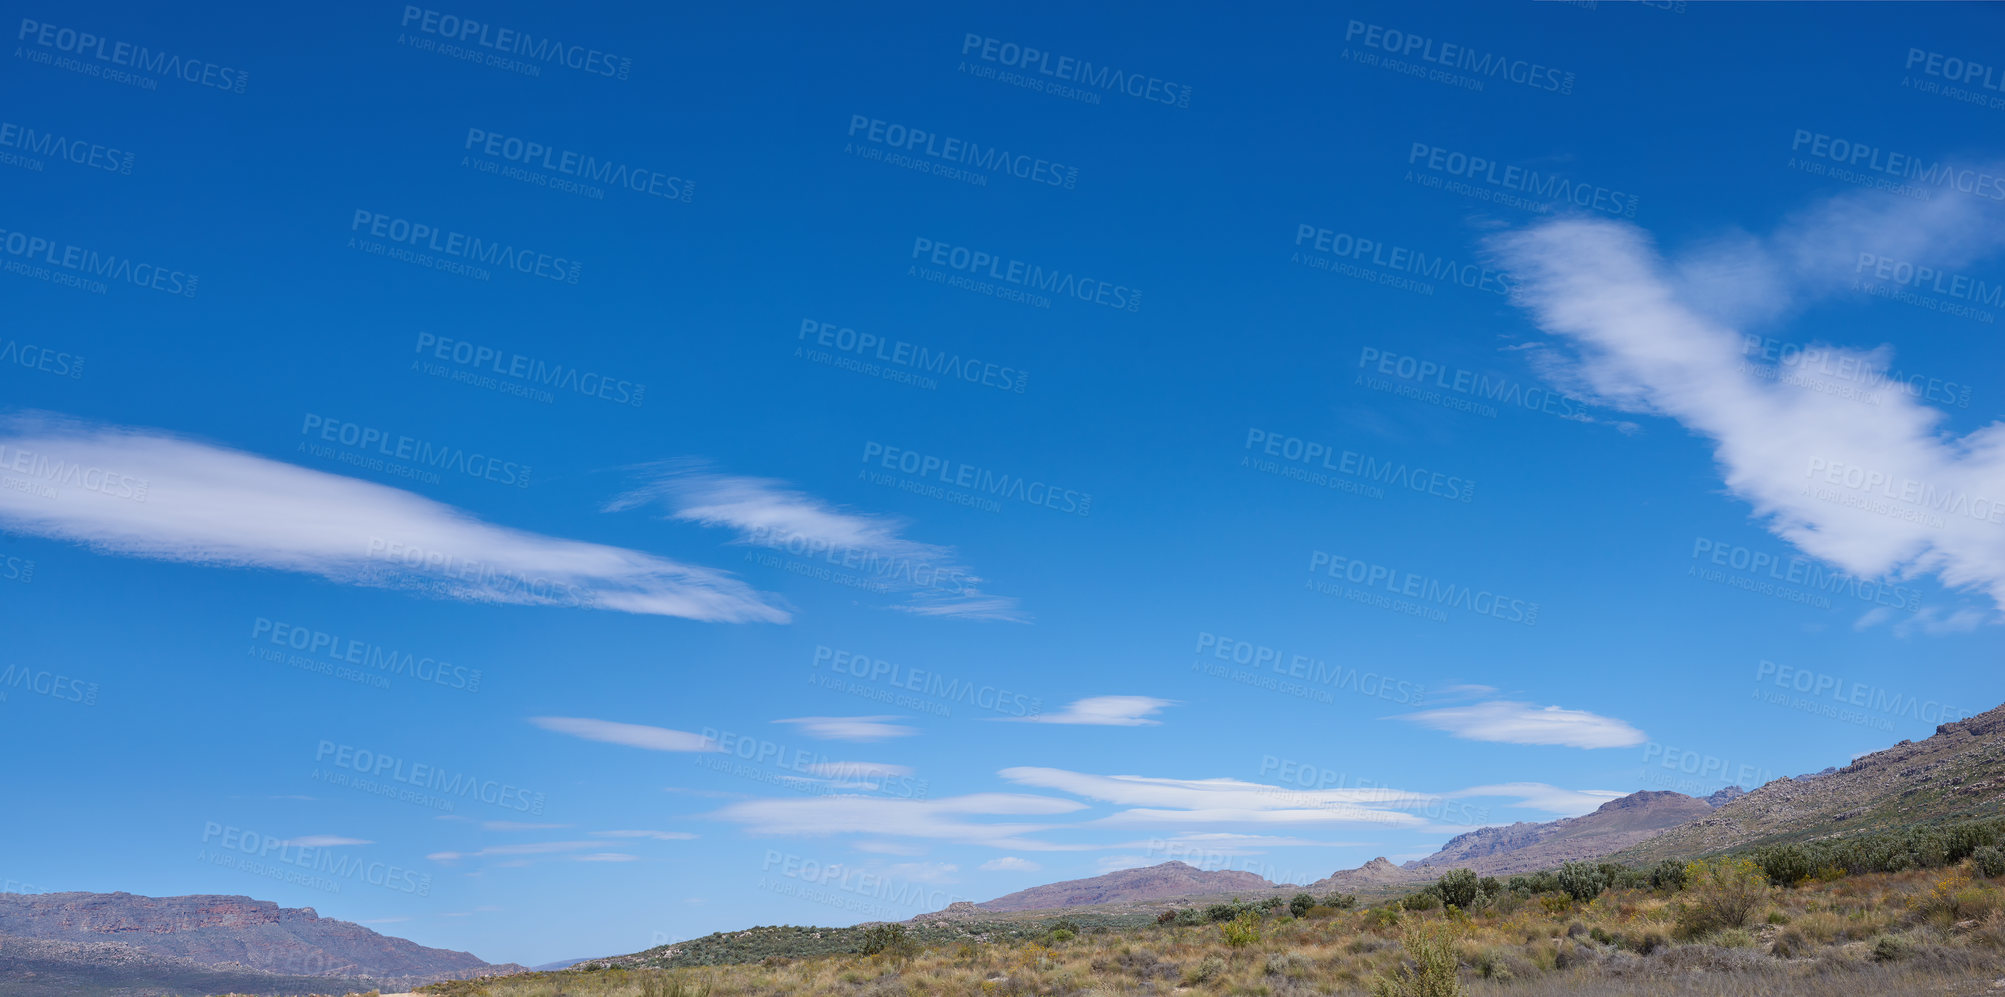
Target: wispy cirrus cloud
631,735
850,728
149,493
1508,722
1880,490
1161,801
654,835
769,513
1103,711
1009,863
1541,796
954,819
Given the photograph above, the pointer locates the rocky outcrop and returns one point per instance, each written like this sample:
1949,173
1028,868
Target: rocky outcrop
1528,847
1156,882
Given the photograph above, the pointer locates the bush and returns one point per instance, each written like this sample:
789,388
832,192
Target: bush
1431,969
1721,893
1990,860
1221,912
1241,931
1891,948
1269,905
890,941
1668,875
1426,899
1210,969
1167,916
1190,917
1582,880
1649,941
1460,888
1300,903
1340,901
1791,943
1787,865
1288,964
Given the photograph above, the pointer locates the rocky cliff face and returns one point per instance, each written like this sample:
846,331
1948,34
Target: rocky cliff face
1526,847
1378,872
232,931
1957,773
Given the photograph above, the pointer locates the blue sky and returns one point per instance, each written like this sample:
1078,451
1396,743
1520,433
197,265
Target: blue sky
780,467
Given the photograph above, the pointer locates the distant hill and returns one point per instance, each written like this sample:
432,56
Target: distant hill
1528,847
1957,773
1156,882
89,935
1373,876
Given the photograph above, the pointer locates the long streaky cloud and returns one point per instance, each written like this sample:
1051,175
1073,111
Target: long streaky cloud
148,493
773,514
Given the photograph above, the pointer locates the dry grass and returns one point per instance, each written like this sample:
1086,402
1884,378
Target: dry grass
1940,932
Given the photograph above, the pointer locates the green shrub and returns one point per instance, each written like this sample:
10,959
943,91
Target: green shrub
1241,931
1787,865
1790,943
1668,875
1990,860
1460,888
1190,917
1721,893
1892,948
1300,903
1430,969
1221,912
1582,880
1426,899
1340,901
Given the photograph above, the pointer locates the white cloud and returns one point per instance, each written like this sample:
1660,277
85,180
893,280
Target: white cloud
943,819
1162,801
1010,863
605,857
1104,711
1665,338
773,514
655,835
850,728
531,848
1523,723
148,493
1540,796
631,735
323,841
